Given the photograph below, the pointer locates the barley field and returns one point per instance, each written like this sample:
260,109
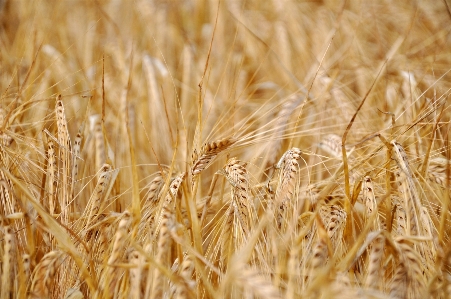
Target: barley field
225,149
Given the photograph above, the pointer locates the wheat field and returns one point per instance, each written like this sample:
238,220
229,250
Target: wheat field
225,149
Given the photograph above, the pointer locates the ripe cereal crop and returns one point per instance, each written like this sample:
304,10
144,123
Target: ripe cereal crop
225,149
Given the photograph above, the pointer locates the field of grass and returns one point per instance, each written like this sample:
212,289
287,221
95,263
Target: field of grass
233,149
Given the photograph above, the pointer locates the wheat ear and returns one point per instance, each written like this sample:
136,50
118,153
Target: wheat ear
76,159
398,287
97,200
208,153
320,250
99,141
136,259
168,202
374,262
44,274
369,199
111,276
52,176
163,229
255,284
8,268
151,198
413,262
286,190
186,273
407,187
237,175
162,253
65,158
